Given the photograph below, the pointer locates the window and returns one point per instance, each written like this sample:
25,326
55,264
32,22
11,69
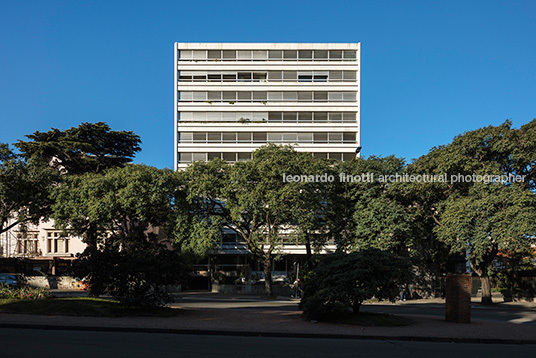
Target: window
348,97
244,96
185,54
244,156
214,77
275,96
305,137
305,96
334,137
260,96
349,75
229,96
321,155
186,76
229,157
305,117
229,137
335,55
274,137
289,116
274,117
335,76
244,55
290,75
349,116
214,54
199,96
185,116
348,137
27,243
199,137
185,157
275,55
335,117
305,77
348,156
244,137
259,116
57,244
320,137
275,76
199,157
321,116
335,96
350,55
214,96
289,137
290,96
320,76
244,76
290,55
185,137
305,55
213,116
320,96
259,76
199,55
259,137
229,55
260,55
214,137
321,55
185,96
213,155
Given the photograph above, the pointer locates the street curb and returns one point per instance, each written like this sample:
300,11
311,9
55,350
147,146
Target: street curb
265,334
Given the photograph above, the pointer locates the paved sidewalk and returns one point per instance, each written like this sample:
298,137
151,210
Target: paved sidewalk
239,315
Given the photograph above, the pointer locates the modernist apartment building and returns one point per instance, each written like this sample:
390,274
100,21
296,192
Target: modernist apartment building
232,98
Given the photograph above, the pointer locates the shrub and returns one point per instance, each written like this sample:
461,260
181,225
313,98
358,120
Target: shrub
133,277
23,293
341,282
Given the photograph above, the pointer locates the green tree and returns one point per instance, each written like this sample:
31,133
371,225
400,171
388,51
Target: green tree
88,148
24,190
252,198
480,219
117,213
342,281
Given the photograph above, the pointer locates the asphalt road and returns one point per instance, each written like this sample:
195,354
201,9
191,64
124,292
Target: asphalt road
50,343
511,313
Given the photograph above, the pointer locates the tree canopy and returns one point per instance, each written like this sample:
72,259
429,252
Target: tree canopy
88,148
478,217
117,213
252,198
24,190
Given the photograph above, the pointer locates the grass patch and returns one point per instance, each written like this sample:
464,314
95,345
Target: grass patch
372,319
82,306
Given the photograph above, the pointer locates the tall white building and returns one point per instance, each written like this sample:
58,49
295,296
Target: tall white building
232,98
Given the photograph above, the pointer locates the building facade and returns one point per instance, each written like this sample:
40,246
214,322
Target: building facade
232,98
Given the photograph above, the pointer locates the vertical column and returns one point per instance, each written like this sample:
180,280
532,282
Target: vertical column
458,298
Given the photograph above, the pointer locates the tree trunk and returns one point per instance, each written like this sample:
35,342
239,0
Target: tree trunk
356,306
486,289
308,251
482,272
267,266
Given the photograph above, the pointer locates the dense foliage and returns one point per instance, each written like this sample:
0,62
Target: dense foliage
122,216
341,282
25,186
88,148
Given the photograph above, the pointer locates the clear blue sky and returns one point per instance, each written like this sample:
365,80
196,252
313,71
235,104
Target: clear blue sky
430,69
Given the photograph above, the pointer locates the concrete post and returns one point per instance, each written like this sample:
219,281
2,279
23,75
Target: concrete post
458,298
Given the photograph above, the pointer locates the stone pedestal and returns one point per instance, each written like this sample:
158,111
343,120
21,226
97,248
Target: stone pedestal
458,299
